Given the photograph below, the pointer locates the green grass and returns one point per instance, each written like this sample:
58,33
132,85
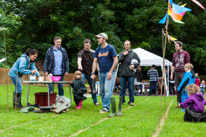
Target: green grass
140,120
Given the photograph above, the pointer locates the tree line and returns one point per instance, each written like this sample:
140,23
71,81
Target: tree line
34,24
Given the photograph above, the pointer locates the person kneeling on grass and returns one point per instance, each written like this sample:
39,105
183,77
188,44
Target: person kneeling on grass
78,89
194,105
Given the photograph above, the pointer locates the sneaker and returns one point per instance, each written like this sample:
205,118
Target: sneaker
104,110
131,104
97,104
178,106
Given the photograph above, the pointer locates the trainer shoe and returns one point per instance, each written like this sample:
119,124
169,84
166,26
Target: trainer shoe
97,104
131,104
104,110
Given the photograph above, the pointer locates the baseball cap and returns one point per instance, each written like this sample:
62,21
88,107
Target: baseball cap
102,35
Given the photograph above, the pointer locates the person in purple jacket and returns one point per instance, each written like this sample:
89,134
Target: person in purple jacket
194,104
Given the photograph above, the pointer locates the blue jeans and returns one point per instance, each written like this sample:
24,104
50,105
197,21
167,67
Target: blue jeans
90,81
153,84
123,82
106,88
18,89
60,87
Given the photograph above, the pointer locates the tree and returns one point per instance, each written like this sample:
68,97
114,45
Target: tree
76,20
9,23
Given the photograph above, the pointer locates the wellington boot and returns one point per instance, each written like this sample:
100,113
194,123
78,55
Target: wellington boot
79,106
120,106
14,99
113,103
17,100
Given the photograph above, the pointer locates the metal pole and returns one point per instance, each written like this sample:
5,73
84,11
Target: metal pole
27,100
70,93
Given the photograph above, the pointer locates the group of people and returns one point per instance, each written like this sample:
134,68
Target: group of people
189,96
104,61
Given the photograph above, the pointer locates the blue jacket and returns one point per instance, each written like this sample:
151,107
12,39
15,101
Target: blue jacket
23,66
188,78
49,61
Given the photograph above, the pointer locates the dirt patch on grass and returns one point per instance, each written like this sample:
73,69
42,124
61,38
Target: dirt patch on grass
159,128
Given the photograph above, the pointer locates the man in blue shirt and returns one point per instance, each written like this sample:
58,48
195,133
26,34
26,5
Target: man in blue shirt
106,56
56,63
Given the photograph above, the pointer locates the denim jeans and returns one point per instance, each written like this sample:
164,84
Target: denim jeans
60,87
18,89
153,84
90,81
123,84
106,88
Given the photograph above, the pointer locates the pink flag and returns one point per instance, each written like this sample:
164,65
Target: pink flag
198,3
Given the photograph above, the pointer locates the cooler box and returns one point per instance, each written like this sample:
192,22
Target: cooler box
41,98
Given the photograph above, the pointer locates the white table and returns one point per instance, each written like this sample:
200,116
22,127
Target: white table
46,82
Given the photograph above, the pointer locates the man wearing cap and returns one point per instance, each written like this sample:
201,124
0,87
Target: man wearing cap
129,61
106,56
85,61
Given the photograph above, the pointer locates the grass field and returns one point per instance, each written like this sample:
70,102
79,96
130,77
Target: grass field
140,120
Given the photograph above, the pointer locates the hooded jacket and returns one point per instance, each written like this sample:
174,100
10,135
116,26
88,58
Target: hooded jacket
195,101
79,89
49,61
188,78
23,66
125,61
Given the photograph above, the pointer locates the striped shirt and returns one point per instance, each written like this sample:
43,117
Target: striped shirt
153,74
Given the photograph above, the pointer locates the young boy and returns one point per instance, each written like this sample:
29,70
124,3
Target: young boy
202,87
188,78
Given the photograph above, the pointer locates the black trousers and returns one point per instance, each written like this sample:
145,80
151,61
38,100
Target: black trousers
191,115
172,88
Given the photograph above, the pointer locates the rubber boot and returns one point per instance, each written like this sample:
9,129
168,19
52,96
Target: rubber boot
79,105
19,100
14,99
113,103
120,106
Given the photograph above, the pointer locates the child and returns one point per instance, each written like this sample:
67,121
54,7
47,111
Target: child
188,78
197,80
194,104
202,87
78,89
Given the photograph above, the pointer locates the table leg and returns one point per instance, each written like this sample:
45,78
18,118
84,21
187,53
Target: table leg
28,88
70,94
48,96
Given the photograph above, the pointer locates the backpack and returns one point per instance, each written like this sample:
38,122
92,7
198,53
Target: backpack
202,118
62,104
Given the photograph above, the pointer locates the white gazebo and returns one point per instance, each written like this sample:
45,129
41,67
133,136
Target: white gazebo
148,59
2,60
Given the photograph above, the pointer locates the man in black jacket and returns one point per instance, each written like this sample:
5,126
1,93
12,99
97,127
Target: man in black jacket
129,61
56,63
